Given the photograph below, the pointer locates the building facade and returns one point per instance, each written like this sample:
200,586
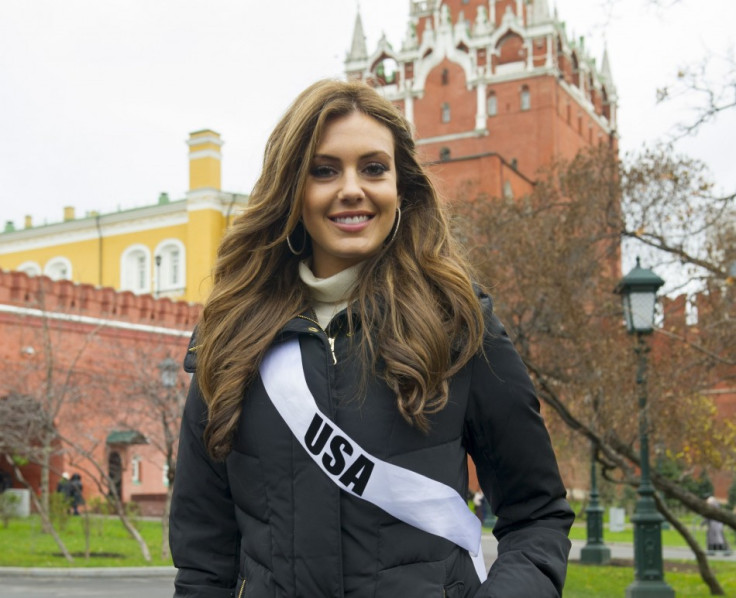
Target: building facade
105,366
166,249
495,90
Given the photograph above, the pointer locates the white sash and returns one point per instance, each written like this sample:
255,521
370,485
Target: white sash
420,501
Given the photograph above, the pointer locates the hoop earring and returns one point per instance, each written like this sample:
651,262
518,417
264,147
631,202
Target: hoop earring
396,227
304,242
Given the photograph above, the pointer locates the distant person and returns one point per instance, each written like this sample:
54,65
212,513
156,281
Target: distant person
715,538
6,481
75,494
64,487
478,504
345,366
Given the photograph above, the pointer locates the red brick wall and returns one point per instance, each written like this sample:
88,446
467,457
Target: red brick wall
98,341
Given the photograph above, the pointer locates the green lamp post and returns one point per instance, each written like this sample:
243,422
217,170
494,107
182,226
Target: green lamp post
595,552
638,290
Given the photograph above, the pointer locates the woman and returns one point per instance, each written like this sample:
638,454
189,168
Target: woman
344,367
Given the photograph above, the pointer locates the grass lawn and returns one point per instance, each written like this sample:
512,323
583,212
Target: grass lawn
584,581
669,536
23,544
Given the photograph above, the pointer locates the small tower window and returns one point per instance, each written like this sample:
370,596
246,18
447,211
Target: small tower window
444,154
445,112
492,104
526,102
445,77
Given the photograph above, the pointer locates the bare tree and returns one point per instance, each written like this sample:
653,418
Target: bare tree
552,260
159,384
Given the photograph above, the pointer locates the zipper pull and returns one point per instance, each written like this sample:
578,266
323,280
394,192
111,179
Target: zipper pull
331,340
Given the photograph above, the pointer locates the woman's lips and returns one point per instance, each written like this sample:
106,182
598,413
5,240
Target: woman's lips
352,222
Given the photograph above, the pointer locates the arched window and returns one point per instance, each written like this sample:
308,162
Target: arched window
445,112
445,77
170,263
135,269
492,104
30,268
526,102
58,268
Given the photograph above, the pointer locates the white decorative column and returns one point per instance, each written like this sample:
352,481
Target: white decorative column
481,114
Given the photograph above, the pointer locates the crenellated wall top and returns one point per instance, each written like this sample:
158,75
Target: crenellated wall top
18,289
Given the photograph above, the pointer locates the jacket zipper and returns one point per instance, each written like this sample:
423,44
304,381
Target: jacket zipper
242,589
330,339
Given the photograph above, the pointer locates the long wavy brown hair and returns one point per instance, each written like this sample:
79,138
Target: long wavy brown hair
420,316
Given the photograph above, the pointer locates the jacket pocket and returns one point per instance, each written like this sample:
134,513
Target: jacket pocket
454,590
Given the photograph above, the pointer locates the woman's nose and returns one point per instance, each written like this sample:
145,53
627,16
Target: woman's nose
351,187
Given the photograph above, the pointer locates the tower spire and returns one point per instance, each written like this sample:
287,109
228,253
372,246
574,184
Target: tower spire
358,50
540,12
606,68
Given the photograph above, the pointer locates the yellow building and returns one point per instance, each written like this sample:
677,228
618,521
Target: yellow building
167,249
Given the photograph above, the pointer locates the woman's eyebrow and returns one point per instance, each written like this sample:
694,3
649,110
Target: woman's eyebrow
372,154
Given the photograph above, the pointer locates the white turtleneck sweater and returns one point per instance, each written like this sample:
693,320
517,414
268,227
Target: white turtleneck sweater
329,295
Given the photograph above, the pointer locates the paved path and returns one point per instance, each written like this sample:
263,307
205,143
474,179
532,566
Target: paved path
618,551
157,582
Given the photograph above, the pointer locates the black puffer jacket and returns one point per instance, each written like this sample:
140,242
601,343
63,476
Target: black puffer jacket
269,523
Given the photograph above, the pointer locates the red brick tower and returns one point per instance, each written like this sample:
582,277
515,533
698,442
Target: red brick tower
494,88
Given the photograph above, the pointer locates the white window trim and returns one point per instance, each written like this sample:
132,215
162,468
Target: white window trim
135,470
30,268
164,285
124,268
53,263
525,99
492,97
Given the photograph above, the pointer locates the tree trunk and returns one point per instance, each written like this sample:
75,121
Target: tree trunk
706,572
132,530
45,519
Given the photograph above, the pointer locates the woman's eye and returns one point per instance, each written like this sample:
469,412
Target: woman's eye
375,169
322,171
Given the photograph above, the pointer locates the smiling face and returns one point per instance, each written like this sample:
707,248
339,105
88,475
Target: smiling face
351,195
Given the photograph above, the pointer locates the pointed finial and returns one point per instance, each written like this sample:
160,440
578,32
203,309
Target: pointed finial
358,49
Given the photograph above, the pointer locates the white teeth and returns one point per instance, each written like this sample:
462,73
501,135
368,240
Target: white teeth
352,219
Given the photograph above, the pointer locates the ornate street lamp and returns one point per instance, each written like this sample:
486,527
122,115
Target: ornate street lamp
638,290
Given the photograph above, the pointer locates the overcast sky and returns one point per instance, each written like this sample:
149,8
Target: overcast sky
97,97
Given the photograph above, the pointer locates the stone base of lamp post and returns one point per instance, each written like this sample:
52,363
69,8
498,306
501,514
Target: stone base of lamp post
595,554
649,589
649,582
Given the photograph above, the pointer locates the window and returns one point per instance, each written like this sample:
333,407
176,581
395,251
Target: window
492,104
165,479
58,268
508,192
135,469
445,77
135,268
170,271
445,112
444,154
526,102
30,268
